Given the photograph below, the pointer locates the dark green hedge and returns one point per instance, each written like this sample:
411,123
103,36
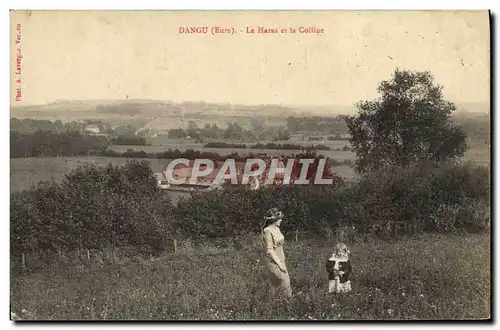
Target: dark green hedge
93,208
407,195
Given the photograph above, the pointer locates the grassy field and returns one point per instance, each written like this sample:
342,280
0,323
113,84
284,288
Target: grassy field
429,277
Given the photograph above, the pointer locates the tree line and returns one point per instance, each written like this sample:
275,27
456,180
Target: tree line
51,144
234,131
269,145
30,126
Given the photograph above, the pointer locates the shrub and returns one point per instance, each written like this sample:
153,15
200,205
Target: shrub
93,208
445,218
474,216
230,213
425,194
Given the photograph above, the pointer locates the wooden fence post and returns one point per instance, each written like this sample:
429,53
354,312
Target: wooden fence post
88,254
23,260
175,245
296,235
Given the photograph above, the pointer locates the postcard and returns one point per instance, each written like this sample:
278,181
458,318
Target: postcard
250,165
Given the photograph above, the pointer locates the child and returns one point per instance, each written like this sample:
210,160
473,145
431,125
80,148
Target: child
339,270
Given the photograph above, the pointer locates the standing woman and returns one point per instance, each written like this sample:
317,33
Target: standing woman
274,240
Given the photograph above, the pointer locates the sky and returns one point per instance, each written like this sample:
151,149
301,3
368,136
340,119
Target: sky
141,55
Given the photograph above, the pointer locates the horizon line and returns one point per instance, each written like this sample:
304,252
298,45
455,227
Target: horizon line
14,105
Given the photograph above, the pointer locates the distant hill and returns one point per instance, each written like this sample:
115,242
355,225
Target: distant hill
473,108
68,110
142,108
167,114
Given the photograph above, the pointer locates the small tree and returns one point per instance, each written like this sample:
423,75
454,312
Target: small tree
192,129
409,123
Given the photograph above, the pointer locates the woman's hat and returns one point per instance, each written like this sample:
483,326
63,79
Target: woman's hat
273,213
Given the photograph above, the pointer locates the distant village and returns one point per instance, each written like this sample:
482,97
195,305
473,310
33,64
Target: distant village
252,130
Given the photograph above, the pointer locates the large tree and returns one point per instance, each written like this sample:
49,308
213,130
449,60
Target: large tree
410,122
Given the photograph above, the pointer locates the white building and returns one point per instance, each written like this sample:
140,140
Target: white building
92,129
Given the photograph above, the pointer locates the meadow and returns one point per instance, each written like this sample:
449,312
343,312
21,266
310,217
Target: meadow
438,277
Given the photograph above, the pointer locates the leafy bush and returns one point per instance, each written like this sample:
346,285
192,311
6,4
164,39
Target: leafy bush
93,208
474,216
436,198
419,194
236,211
445,218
